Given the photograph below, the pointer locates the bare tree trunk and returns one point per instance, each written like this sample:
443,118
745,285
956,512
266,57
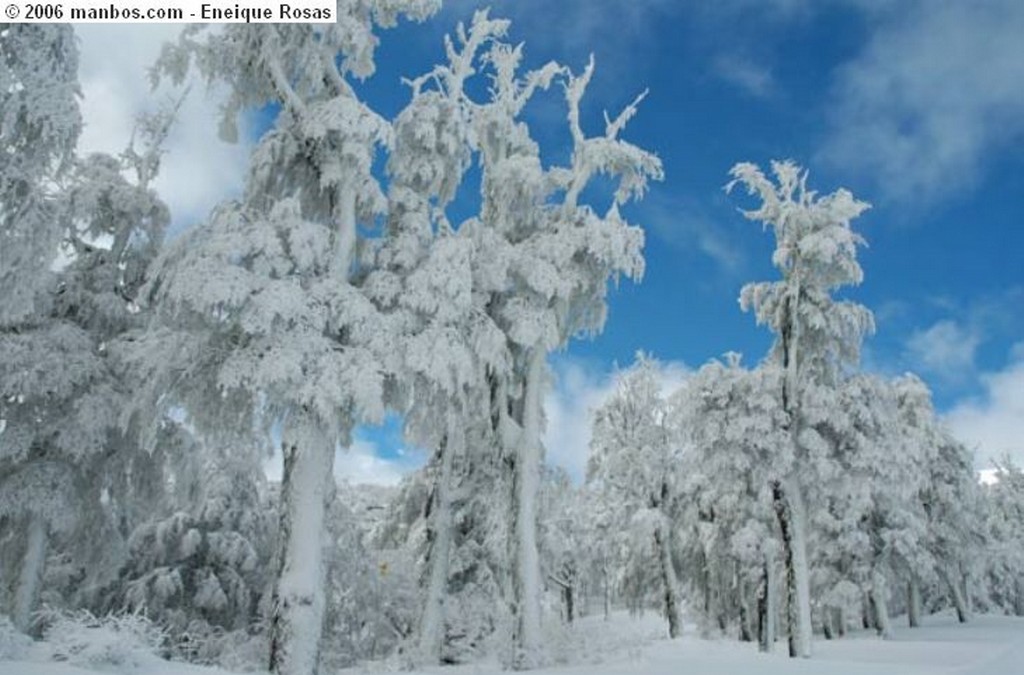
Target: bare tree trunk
526,577
298,610
914,602
1018,605
30,580
670,585
433,621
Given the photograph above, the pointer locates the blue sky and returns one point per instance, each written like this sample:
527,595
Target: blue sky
915,106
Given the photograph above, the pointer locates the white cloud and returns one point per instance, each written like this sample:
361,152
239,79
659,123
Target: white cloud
993,425
198,170
936,90
360,464
578,391
748,75
688,227
945,349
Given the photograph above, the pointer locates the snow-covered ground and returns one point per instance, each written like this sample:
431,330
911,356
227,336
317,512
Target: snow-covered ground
989,645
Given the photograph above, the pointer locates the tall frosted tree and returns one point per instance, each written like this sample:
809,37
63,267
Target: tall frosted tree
267,294
547,260
77,237
817,337
39,126
539,263
423,278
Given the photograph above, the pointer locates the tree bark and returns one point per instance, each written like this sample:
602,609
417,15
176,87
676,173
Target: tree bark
570,603
789,511
432,625
526,577
670,585
768,609
298,608
30,580
764,641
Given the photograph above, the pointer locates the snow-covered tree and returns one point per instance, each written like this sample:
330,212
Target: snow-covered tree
562,533
873,526
39,127
952,501
1005,502
538,266
372,592
547,262
817,338
72,305
423,280
634,463
266,293
204,566
734,428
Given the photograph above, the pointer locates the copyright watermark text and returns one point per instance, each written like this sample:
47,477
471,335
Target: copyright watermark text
170,11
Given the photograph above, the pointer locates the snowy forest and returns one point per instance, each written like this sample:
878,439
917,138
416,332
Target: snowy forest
145,379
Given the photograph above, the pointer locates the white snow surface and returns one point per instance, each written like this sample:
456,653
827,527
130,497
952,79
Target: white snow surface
988,645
